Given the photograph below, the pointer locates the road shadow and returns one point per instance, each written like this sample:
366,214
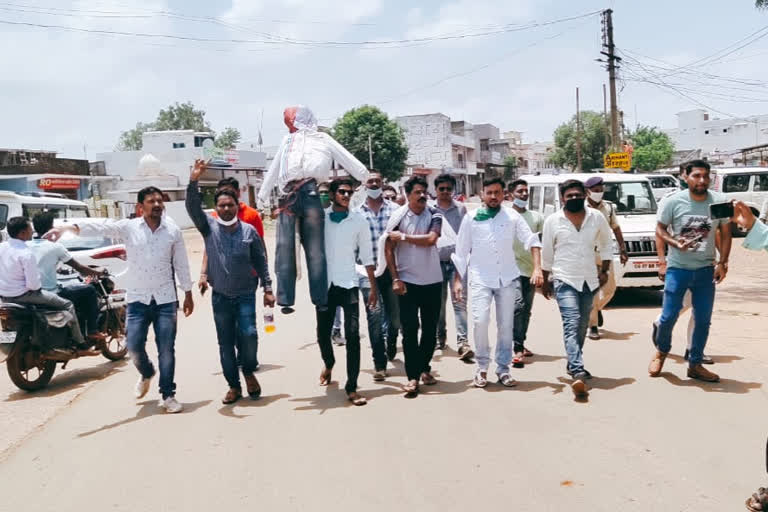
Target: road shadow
724,359
263,368
308,345
601,383
615,336
69,380
636,298
336,398
148,408
525,386
724,386
542,358
247,403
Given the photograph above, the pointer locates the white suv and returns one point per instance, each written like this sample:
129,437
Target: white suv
748,184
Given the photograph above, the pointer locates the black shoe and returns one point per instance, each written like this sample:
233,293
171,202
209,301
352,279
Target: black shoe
287,310
583,374
599,318
594,334
705,359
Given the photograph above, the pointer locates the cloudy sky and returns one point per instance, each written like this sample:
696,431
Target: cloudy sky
77,73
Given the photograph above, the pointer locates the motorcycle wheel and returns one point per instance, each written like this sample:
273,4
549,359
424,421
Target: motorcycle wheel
114,348
28,370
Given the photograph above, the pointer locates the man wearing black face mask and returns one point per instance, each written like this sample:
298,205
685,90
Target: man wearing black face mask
569,240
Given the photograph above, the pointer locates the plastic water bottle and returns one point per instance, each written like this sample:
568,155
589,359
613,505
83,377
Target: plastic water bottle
269,320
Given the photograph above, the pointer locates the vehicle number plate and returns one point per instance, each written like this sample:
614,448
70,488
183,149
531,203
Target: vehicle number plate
645,265
7,337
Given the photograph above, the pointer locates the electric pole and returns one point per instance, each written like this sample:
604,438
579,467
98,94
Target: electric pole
370,151
578,133
609,50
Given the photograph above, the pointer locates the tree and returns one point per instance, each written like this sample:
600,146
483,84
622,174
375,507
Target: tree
594,133
653,149
761,4
182,116
130,140
389,148
227,138
510,165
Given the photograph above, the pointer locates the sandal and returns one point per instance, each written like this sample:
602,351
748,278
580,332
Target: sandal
527,353
428,379
507,381
479,381
356,399
411,389
325,377
517,361
758,501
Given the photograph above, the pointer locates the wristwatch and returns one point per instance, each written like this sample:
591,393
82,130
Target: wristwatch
402,236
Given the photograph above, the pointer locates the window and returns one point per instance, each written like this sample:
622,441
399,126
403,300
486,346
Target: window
631,198
483,144
3,215
706,132
549,196
761,184
736,183
179,145
534,199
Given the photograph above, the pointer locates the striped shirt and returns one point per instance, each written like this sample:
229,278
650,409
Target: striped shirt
377,223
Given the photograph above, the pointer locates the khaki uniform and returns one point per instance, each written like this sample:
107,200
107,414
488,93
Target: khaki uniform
606,292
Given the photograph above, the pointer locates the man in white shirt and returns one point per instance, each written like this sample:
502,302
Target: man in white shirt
347,238
485,245
155,253
20,277
569,240
302,161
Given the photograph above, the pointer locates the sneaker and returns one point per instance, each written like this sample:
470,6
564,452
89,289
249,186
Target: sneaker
465,353
142,387
705,359
171,405
380,375
337,338
582,374
657,363
700,373
594,334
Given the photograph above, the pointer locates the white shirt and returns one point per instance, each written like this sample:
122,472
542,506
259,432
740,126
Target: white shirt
344,241
570,254
152,257
488,247
18,269
308,154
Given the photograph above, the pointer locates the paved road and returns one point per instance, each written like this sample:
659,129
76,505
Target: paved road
637,444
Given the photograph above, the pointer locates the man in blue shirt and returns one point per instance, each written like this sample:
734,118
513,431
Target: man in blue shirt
691,265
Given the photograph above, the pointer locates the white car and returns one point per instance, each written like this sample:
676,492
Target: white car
748,184
96,252
662,184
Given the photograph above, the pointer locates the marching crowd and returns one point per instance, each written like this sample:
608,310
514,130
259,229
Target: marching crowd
407,261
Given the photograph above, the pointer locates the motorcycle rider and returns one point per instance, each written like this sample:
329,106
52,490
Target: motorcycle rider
20,277
48,255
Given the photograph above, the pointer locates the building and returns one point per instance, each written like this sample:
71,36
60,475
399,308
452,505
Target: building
717,137
27,171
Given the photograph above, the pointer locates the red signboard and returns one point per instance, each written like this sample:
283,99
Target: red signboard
58,184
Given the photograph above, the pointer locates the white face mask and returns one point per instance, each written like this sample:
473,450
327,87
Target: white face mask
373,193
596,196
520,203
226,222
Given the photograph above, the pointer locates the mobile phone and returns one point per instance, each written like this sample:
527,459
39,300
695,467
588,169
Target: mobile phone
721,210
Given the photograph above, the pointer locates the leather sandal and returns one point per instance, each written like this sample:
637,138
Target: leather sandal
325,377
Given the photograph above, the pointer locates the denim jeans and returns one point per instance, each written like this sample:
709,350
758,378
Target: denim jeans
702,286
523,306
348,299
575,307
163,319
235,319
459,308
86,301
419,302
390,311
375,326
308,213
481,316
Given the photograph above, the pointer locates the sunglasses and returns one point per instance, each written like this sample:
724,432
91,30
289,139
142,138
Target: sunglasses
344,192
445,189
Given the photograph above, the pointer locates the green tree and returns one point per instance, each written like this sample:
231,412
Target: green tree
227,138
593,136
130,140
510,165
389,148
653,149
182,116
761,4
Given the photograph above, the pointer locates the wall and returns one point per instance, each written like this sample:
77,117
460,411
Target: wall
695,130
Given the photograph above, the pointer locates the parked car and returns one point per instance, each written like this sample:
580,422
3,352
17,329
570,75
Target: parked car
94,251
18,205
663,184
748,184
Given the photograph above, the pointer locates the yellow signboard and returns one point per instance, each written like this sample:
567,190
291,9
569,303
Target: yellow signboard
617,161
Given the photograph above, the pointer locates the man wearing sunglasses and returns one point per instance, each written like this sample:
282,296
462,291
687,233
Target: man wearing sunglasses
453,213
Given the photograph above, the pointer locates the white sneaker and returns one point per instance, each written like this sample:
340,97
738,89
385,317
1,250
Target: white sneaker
171,405
142,387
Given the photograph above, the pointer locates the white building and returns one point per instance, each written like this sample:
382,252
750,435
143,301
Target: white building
697,131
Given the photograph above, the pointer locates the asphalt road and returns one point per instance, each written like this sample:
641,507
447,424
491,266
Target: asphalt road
637,444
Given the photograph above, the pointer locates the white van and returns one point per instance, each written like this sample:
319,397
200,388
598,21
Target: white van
748,184
21,205
663,184
636,208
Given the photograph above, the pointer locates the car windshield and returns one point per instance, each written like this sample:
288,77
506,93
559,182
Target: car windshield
631,197
83,243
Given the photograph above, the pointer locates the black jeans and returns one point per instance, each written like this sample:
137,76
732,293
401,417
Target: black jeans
86,301
348,299
523,306
391,311
419,301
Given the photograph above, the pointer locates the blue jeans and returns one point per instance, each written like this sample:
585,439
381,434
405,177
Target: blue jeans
459,308
701,282
523,306
390,311
481,316
86,301
375,326
163,319
307,211
235,319
574,309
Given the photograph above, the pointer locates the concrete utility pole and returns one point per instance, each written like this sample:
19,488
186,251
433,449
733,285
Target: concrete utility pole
370,151
609,51
578,133
605,120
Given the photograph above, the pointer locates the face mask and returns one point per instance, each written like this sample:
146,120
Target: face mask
596,196
324,198
574,205
520,203
226,222
373,193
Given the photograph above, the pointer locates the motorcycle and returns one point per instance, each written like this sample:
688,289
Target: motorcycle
31,347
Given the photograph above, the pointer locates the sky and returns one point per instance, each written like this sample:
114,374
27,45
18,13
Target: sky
72,85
